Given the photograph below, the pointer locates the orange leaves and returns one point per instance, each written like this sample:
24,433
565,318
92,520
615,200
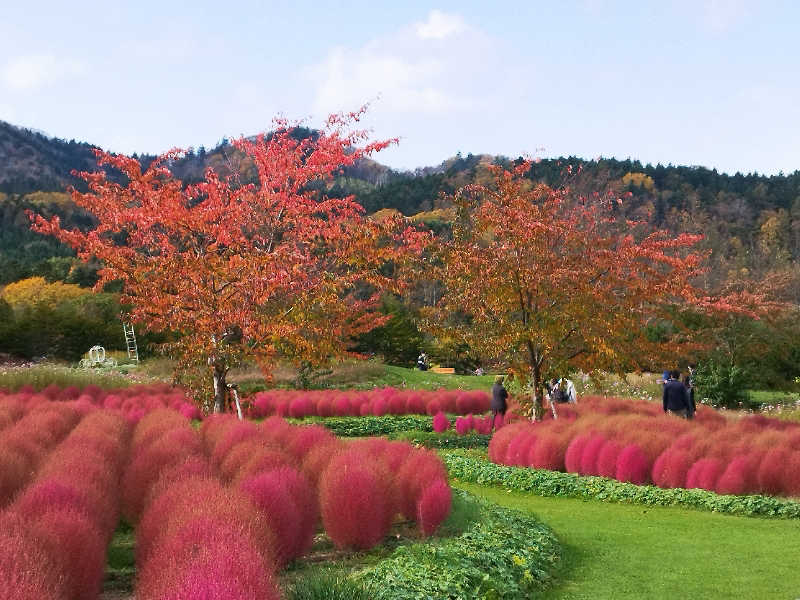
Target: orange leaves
272,255
552,282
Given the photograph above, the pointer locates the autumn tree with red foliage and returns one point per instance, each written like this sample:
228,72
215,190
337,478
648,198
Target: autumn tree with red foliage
548,282
266,269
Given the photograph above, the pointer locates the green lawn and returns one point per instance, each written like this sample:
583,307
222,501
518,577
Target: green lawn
426,380
622,551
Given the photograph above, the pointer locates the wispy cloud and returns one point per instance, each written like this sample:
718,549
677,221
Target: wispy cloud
440,25
31,72
411,69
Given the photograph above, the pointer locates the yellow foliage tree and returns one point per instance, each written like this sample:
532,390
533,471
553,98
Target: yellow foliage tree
36,291
639,180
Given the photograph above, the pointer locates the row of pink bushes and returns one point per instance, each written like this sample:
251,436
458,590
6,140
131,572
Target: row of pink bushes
358,488
133,402
196,538
464,425
378,402
635,442
53,538
27,441
240,500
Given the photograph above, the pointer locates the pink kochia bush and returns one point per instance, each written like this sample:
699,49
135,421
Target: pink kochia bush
440,422
196,538
635,442
27,442
327,403
72,506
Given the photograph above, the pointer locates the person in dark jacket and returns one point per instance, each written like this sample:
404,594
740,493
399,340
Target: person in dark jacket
499,397
688,382
676,396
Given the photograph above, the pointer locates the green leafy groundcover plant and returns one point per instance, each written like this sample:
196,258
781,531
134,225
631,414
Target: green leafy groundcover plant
370,425
448,439
504,554
468,468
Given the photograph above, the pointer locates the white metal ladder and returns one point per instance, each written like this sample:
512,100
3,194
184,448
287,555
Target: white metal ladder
130,342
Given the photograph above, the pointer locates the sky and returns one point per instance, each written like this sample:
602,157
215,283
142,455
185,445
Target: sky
706,82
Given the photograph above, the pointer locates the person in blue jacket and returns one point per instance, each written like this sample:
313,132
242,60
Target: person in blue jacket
676,396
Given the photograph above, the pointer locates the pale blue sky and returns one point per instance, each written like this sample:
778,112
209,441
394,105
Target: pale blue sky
709,82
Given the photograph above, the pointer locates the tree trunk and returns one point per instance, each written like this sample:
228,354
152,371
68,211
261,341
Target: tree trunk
536,399
220,387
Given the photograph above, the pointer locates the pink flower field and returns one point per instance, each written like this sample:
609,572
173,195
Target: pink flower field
634,441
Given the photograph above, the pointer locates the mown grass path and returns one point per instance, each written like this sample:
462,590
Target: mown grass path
626,551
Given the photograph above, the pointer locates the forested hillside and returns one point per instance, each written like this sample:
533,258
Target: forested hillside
751,225
751,222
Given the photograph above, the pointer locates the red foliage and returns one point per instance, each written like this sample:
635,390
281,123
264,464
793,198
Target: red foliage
77,545
270,496
704,474
464,425
607,459
205,558
27,569
441,423
771,470
632,465
433,507
356,508
572,458
591,455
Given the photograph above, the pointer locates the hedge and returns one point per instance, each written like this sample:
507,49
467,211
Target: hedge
369,425
503,554
464,467
448,439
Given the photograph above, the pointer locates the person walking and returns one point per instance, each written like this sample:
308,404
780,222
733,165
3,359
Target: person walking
688,382
499,403
675,398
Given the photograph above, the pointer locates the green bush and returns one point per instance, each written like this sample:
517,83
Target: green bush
448,439
466,467
721,384
502,554
328,585
370,425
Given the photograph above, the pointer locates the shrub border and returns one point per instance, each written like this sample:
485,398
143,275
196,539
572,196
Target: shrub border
503,554
369,425
446,440
466,468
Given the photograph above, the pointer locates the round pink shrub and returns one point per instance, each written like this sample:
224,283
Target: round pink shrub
591,454
301,407
420,470
572,458
415,404
271,495
306,438
740,476
632,465
464,425
704,474
27,569
433,407
440,422
518,451
356,509
206,559
483,426
379,407
236,434
77,545
433,507
771,470
607,459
